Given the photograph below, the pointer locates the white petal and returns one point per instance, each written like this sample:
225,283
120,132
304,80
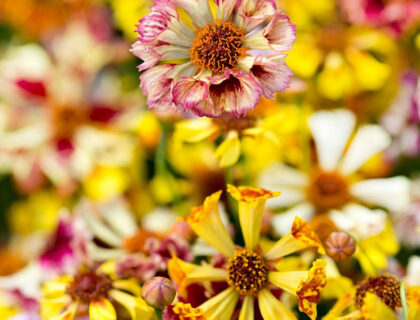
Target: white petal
282,223
279,175
391,193
331,131
27,281
118,216
413,271
289,197
198,10
359,221
369,140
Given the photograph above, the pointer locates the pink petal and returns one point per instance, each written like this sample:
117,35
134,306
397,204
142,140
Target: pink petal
280,33
146,53
151,26
234,92
255,12
189,92
273,76
156,84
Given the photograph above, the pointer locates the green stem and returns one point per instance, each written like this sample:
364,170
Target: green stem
365,253
158,313
160,152
404,301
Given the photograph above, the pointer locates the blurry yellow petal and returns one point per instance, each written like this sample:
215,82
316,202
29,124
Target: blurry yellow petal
288,281
221,306
102,309
185,312
251,207
108,267
309,290
304,57
207,224
374,309
69,314
271,308
247,309
229,150
413,302
128,285
344,302
336,79
136,306
184,273
105,183
52,307
195,130
370,73
301,237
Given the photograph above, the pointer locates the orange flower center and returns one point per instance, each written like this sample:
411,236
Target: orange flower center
247,272
386,287
218,47
328,190
186,312
136,243
228,122
89,286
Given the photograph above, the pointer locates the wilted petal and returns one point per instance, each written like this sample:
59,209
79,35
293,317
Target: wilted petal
280,33
254,12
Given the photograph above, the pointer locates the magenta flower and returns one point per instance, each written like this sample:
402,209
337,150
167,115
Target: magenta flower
221,63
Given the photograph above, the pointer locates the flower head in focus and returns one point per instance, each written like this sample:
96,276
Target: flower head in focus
250,271
213,57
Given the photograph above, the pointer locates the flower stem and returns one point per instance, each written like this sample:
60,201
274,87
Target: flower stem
404,301
158,313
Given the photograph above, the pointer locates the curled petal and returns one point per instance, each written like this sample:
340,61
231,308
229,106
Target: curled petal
146,53
151,26
272,74
229,150
255,12
309,289
189,92
280,33
157,85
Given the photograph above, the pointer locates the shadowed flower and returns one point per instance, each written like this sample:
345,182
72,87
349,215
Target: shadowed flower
250,271
213,57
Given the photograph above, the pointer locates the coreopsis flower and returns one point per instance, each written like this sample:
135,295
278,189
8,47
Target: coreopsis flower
394,15
136,251
402,120
334,185
273,130
95,291
249,272
220,57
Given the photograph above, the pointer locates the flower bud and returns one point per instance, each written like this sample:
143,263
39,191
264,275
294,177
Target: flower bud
340,246
158,292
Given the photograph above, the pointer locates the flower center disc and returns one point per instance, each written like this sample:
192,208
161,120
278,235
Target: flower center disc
247,272
217,47
89,286
328,190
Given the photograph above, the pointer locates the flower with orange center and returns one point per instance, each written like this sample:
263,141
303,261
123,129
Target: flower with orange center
215,57
97,291
333,184
249,272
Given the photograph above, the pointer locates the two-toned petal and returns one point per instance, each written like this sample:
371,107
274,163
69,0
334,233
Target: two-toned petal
102,309
221,306
271,308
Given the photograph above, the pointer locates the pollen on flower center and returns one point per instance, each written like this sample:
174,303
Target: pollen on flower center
386,287
89,286
247,272
218,47
328,190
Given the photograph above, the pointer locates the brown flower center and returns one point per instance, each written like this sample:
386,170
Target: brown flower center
89,286
247,272
386,287
228,122
217,47
328,190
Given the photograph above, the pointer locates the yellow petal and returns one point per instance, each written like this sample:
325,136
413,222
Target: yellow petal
136,306
288,281
271,308
309,289
304,57
229,150
344,302
128,285
102,309
195,130
221,306
247,309
413,302
374,309
69,314
52,307
184,273
302,236
251,207
185,312
207,224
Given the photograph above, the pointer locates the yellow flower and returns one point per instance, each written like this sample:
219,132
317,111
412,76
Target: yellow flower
95,290
249,271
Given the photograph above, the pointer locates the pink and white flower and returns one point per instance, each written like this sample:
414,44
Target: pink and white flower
222,62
